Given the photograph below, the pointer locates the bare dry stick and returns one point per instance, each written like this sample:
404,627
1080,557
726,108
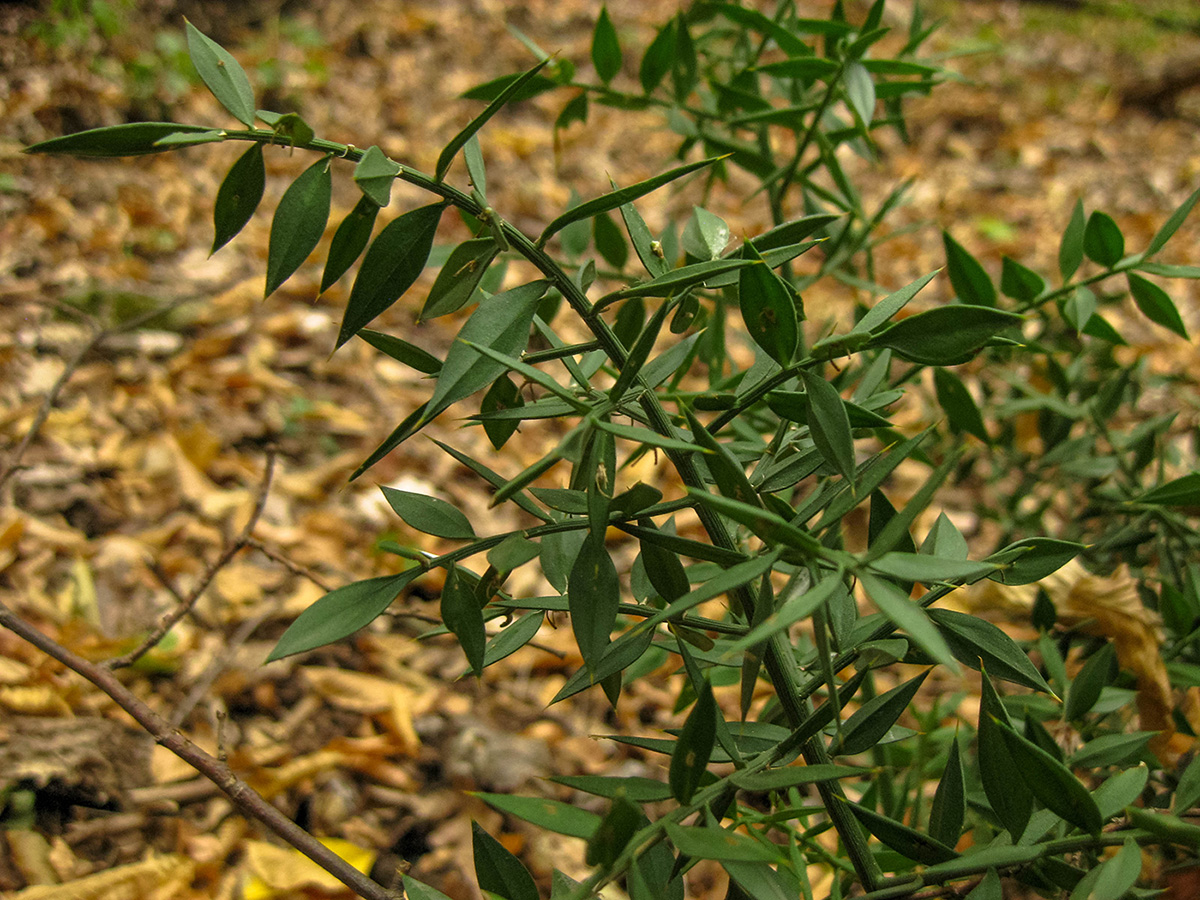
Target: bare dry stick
168,621
244,797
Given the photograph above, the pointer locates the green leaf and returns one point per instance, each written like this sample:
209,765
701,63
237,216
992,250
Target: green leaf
190,139
657,60
978,644
990,888
883,311
633,787
908,616
501,323
1070,250
502,99
794,406
676,280
1051,782
928,569
476,171
499,872
648,250
1003,780
618,198
374,175
502,395
1155,304
956,401
340,613
860,91
402,351
1112,750
765,523
761,881
1182,491
788,42
614,832
906,841
784,777
1118,874
664,570
459,277
769,310
288,127
552,815
610,242
401,433
866,728
1098,672
1121,790
418,890
238,196
132,139
1019,282
1032,559
1172,224
945,335
393,262
689,760
593,595
639,353
1188,791
949,801
299,223
349,240
1102,240
828,423
705,234
620,655
606,49
790,611
724,467
719,844
222,75
490,90
971,283
464,617
429,515
511,638
806,68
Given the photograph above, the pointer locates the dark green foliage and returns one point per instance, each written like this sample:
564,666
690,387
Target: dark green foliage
779,431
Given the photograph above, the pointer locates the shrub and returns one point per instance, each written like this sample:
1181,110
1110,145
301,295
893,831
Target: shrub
698,350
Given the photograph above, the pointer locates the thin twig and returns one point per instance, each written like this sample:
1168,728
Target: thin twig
245,798
290,564
201,684
168,621
48,404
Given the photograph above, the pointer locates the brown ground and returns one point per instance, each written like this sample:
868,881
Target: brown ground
151,456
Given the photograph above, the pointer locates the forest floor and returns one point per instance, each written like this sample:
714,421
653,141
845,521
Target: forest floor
134,451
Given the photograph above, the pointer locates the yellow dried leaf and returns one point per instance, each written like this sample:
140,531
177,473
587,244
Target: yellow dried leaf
155,876
279,870
34,701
